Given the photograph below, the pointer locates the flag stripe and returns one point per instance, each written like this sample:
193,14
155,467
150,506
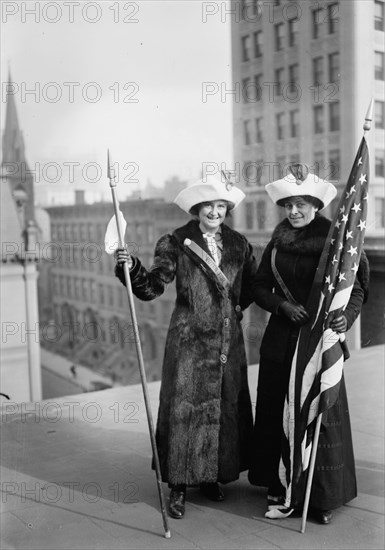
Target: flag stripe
341,298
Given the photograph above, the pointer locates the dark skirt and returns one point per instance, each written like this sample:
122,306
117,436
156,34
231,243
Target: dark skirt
334,480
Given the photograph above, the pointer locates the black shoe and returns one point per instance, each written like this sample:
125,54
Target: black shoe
176,507
322,516
212,491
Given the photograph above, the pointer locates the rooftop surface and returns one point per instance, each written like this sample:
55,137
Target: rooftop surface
76,474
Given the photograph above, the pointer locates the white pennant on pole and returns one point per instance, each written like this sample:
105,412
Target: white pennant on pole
111,239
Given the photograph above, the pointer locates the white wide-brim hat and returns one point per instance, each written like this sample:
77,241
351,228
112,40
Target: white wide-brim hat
312,186
209,189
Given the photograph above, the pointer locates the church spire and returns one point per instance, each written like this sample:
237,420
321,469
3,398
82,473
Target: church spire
13,141
14,164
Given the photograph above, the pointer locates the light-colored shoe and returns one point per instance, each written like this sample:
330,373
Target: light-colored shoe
279,512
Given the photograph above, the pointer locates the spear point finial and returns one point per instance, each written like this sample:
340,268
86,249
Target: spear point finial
110,171
369,117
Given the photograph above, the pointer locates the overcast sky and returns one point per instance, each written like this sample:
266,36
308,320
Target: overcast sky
131,80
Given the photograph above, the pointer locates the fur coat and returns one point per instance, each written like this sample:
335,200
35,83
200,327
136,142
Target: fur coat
205,418
298,253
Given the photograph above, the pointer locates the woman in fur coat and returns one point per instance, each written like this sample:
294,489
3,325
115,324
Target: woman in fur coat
205,420
297,243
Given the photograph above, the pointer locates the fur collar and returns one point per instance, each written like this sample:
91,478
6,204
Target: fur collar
308,240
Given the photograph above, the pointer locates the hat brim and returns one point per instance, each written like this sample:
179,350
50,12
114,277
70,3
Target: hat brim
312,186
207,191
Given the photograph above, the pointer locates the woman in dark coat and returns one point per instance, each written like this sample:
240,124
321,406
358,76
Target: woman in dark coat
298,242
205,421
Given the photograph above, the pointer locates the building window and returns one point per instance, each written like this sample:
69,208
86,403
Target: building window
243,5
261,214
258,86
82,232
75,256
77,288
379,15
293,78
249,215
252,173
101,294
333,17
246,48
59,233
333,172
111,296
246,132
69,287
84,290
279,36
258,130
91,233
74,230
318,164
102,328
55,285
53,232
379,114
379,70
294,123
279,125
92,291
334,67
245,90
278,169
318,71
67,235
334,116
121,298
279,75
319,123
293,32
317,22
61,286
380,164
379,206
258,44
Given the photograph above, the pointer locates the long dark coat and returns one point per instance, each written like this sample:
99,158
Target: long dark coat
298,253
205,416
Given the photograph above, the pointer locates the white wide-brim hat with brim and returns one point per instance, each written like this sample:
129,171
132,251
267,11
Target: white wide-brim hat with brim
207,190
312,186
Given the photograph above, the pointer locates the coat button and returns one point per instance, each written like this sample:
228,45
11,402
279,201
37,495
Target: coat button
223,358
238,308
226,321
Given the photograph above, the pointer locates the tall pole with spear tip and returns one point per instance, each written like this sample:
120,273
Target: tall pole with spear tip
366,128
126,270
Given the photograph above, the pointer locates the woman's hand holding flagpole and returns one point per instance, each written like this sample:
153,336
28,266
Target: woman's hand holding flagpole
119,222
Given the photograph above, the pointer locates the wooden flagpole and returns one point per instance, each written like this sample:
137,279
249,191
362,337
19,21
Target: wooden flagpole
366,127
126,270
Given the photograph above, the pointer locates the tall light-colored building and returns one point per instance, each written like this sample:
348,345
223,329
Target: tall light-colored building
306,72
20,370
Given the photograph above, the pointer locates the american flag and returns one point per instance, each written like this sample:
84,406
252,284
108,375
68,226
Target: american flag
318,360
